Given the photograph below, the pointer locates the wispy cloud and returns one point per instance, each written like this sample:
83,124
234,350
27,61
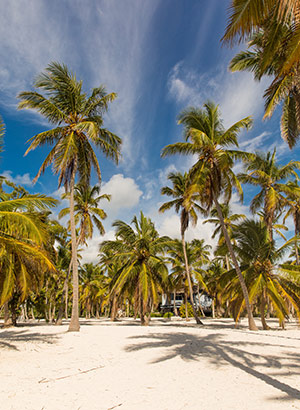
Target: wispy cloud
103,42
237,94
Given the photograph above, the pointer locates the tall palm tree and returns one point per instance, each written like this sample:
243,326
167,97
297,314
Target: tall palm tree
78,122
264,171
143,271
185,205
273,31
212,173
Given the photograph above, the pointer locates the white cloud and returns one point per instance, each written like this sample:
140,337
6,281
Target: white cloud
24,179
90,253
124,191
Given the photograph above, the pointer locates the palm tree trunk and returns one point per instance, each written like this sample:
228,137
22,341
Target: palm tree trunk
186,305
174,304
63,296
213,314
262,311
201,309
252,325
7,318
74,323
113,313
187,270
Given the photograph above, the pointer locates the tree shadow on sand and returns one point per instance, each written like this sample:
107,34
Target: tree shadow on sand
223,352
8,338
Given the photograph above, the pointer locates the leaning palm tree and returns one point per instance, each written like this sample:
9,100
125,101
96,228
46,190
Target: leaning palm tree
142,273
212,173
185,205
230,220
263,170
258,256
78,122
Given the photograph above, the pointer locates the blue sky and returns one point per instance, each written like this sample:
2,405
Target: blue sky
159,57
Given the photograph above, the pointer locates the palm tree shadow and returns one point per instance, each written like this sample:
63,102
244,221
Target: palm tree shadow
8,338
221,352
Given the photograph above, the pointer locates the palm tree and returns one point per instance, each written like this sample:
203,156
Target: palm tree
186,206
212,173
230,220
91,288
86,209
264,171
273,50
78,121
23,243
194,255
258,257
293,209
142,271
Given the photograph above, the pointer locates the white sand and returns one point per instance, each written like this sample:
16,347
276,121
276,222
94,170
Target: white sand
166,366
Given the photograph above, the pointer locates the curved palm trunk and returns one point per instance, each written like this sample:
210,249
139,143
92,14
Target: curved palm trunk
198,321
252,325
74,323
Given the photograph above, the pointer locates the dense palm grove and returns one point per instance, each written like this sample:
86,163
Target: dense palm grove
247,273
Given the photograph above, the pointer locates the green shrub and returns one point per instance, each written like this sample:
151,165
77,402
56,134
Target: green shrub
189,309
155,314
168,314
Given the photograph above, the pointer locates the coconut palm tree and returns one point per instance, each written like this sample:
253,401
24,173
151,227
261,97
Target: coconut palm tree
78,124
230,220
186,205
212,173
248,16
143,271
23,244
91,288
193,255
293,209
273,50
86,209
263,170
258,256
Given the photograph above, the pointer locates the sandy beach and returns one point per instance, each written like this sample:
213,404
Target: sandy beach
168,365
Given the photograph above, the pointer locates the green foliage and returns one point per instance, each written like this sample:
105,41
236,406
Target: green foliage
189,310
168,314
155,314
